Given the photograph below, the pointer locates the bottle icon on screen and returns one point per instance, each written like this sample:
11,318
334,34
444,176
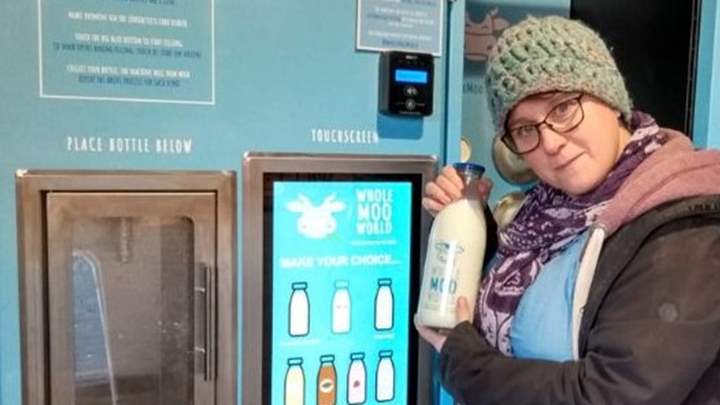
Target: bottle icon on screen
385,377
341,308
299,322
327,381
384,305
295,382
356,381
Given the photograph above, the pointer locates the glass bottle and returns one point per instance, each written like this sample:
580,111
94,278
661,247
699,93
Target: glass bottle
455,252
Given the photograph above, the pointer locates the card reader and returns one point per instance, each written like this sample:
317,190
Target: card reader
406,83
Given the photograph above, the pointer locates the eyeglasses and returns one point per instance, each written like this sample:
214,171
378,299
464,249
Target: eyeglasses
562,118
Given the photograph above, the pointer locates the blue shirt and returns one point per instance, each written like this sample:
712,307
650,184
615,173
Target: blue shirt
542,327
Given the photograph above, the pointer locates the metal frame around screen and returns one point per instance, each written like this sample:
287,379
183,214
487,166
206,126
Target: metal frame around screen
256,286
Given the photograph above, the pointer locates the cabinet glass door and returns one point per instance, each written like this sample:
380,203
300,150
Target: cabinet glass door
131,297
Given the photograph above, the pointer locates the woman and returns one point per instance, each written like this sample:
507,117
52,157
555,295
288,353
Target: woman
605,288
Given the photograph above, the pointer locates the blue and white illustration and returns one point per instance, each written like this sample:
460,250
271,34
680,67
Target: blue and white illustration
341,306
299,319
316,222
341,287
384,305
385,377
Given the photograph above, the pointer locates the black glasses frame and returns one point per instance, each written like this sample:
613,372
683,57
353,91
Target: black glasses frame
506,138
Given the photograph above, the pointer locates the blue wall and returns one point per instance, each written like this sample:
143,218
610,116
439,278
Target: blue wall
706,131
282,73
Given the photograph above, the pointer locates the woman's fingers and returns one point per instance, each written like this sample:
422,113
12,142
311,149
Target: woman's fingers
484,188
462,310
449,173
444,189
448,187
430,335
432,206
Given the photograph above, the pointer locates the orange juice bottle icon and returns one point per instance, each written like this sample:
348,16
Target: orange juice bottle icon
327,381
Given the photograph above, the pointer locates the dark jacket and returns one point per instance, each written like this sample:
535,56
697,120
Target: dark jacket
650,332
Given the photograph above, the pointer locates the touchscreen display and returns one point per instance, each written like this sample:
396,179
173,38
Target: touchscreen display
341,280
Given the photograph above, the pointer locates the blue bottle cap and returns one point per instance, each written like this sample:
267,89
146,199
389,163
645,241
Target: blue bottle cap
295,361
384,281
466,167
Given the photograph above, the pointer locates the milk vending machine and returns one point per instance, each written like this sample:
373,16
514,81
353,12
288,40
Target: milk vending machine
330,278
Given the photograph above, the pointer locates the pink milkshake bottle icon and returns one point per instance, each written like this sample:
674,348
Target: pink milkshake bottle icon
357,379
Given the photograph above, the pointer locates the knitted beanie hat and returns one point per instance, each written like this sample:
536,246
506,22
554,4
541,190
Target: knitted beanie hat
539,55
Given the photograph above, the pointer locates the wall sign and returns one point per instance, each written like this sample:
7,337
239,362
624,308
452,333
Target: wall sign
408,25
131,50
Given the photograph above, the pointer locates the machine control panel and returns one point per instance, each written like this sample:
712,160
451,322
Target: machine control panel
406,83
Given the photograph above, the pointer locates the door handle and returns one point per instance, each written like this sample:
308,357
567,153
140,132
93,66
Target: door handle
208,290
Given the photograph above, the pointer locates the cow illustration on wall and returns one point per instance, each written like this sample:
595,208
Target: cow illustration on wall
480,37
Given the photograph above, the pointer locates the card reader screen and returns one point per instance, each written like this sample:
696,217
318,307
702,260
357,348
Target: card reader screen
411,76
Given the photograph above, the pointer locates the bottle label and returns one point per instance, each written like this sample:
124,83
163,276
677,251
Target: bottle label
442,285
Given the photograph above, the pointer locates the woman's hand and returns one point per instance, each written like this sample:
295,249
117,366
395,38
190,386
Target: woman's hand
448,187
437,337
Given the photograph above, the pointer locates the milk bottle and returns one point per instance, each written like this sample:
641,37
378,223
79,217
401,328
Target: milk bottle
385,377
341,308
384,305
455,252
299,323
356,380
294,382
327,381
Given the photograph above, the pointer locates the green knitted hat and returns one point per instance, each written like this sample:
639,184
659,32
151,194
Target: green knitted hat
552,53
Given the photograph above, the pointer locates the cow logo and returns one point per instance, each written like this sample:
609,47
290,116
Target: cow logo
316,222
448,252
480,37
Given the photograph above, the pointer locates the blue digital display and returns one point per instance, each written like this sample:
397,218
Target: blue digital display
341,290
411,76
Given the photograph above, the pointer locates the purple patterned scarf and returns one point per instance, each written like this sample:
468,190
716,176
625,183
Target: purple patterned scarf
545,225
